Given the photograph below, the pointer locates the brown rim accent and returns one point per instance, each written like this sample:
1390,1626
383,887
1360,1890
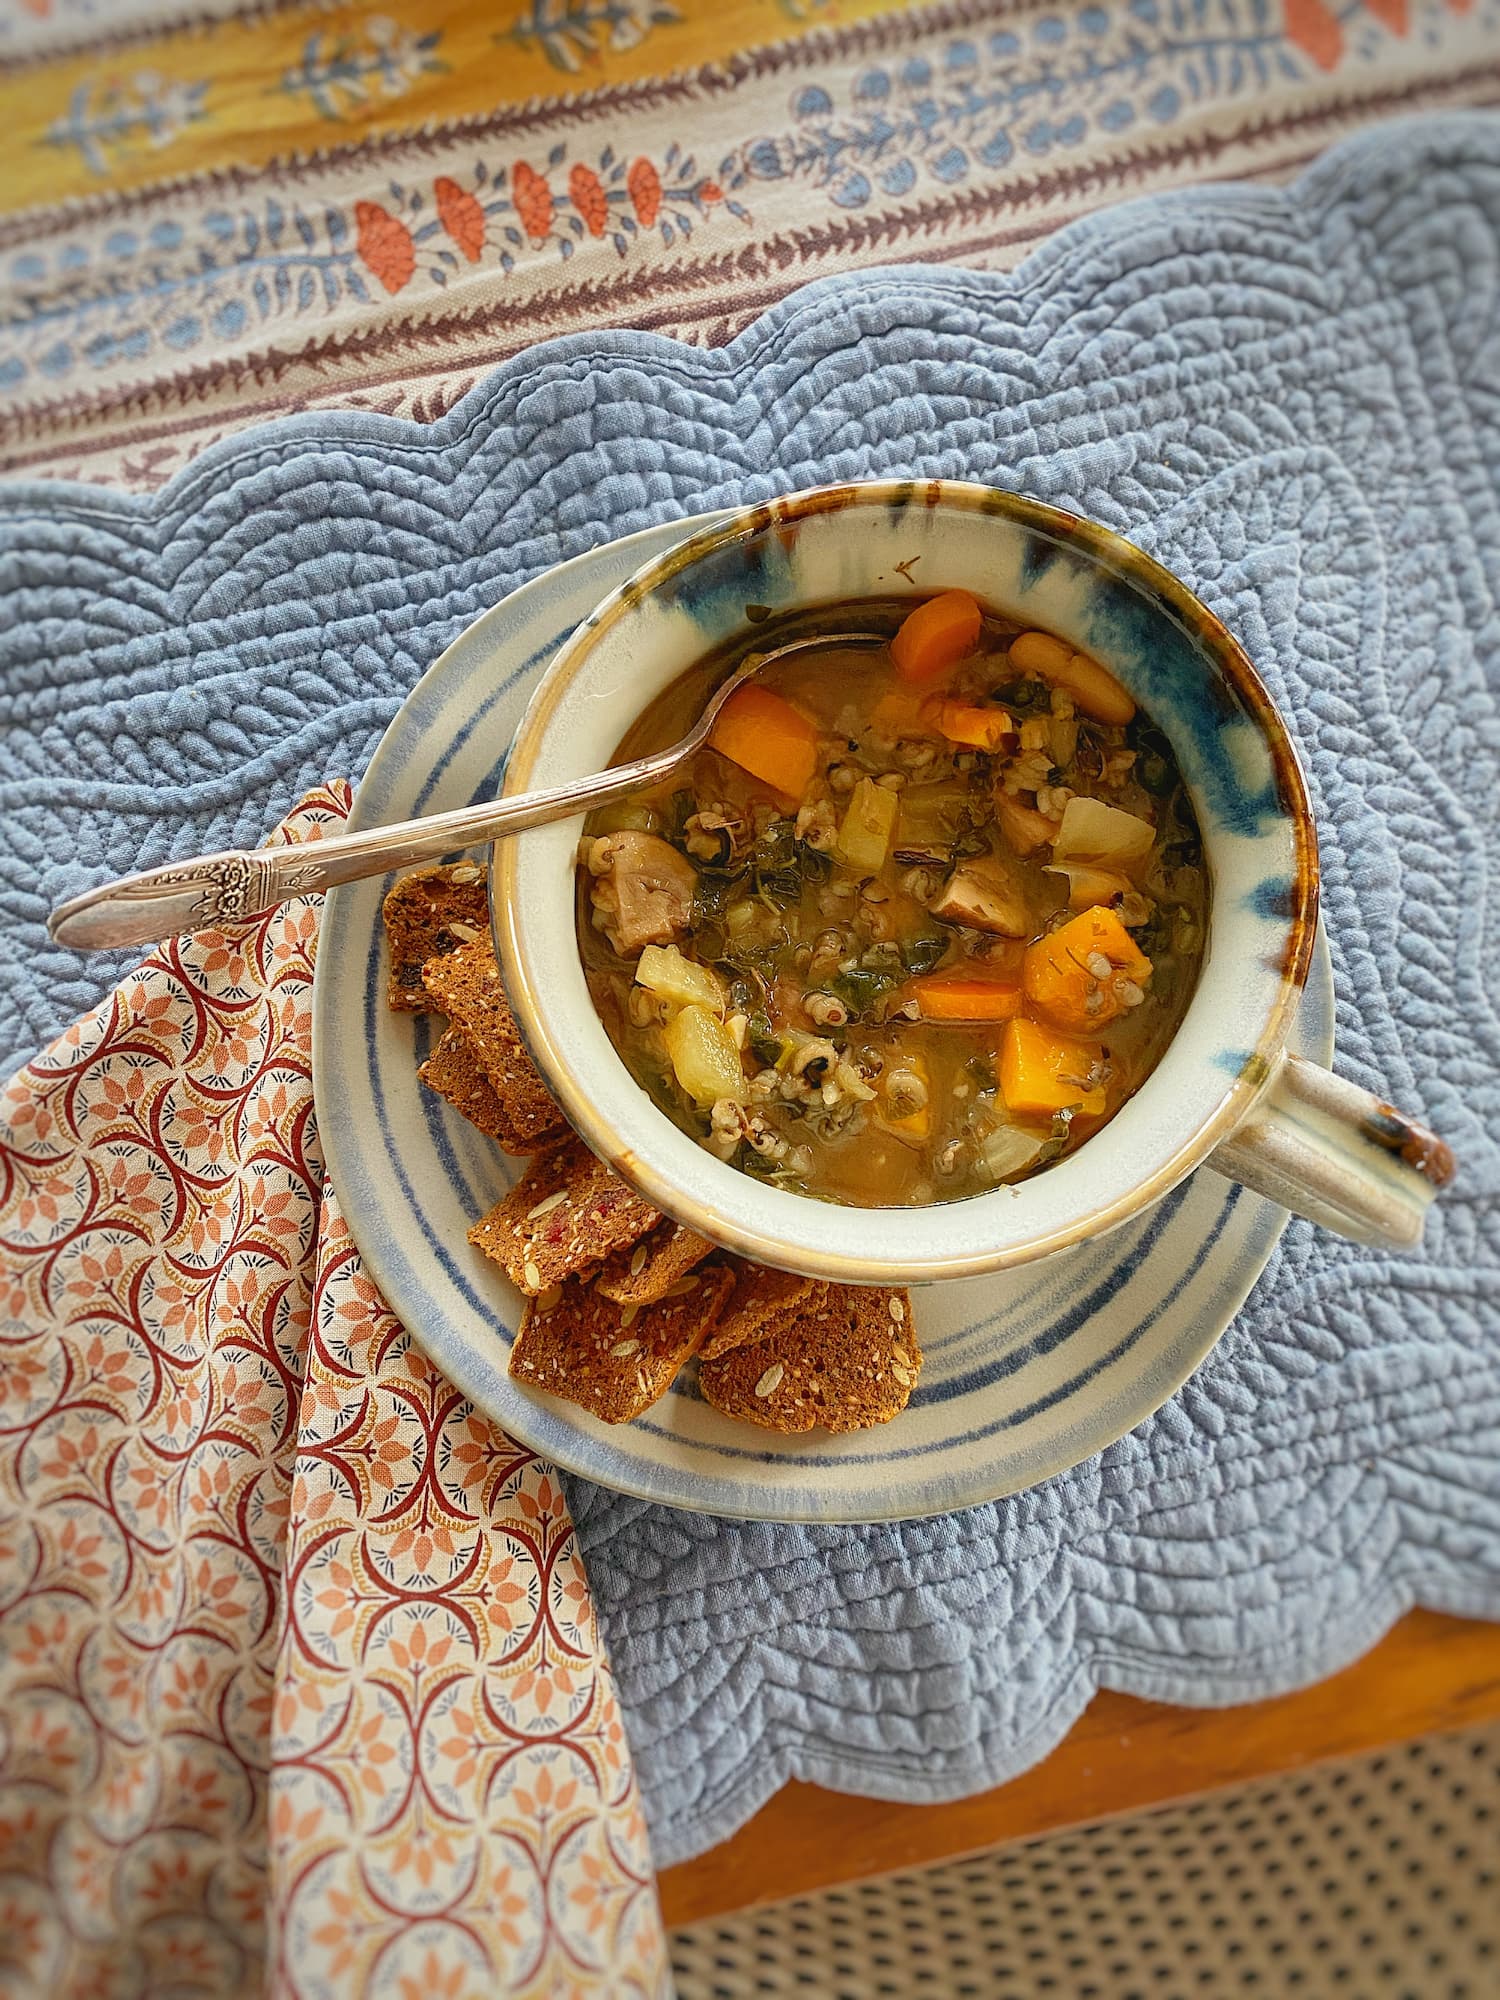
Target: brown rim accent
1121,558
1412,1143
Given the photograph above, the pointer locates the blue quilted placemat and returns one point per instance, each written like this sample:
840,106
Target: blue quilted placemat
1293,399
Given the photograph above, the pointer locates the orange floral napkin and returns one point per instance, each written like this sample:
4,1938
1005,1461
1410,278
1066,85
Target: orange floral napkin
300,1686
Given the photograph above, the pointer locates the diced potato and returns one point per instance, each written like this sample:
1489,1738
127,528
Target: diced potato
625,815
1010,1149
1042,1071
869,821
1086,973
1088,885
1093,831
929,813
677,980
705,1056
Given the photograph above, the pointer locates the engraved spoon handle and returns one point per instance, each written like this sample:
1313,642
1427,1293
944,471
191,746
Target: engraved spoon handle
242,882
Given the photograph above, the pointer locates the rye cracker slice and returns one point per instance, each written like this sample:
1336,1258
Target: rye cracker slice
762,1301
642,1275
843,1364
567,1213
453,1071
613,1361
427,915
465,985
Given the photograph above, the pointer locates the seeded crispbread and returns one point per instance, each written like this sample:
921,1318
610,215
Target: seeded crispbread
466,985
565,1214
614,1361
453,1071
762,1301
427,915
843,1364
642,1275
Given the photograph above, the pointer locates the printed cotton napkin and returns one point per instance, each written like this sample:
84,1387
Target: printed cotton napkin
298,1669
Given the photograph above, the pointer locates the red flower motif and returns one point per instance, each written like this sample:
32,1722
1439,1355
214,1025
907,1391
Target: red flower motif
643,184
385,245
710,192
589,198
1315,30
461,215
1395,14
533,200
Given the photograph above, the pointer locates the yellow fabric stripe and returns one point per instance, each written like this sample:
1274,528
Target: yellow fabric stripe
241,93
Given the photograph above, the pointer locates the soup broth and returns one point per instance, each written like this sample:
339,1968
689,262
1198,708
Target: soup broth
918,925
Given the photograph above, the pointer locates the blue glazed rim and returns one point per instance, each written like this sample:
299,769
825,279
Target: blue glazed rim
710,567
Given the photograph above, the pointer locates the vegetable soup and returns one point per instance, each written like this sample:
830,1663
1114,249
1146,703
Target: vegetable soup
918,923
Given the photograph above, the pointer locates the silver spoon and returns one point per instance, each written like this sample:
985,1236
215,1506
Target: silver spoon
242,882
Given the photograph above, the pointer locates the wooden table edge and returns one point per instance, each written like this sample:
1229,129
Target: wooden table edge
1430,1672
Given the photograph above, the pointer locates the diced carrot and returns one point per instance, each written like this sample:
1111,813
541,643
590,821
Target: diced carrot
761,732
936,636
975,728
1074,975
898,713
965,996
1042,1072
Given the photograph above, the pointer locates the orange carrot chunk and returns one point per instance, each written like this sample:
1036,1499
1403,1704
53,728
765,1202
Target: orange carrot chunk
1042,1072
965,996
964,722
936,636
761,732
1086,974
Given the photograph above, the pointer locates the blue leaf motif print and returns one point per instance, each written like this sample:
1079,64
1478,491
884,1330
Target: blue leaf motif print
765,160
850,189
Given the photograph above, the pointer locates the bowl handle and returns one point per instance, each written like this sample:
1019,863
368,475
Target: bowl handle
1327,1149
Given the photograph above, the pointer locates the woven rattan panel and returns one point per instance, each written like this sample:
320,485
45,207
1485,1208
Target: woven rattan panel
1375,1879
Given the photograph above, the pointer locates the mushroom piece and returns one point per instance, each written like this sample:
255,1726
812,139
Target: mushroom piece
985,894
642,890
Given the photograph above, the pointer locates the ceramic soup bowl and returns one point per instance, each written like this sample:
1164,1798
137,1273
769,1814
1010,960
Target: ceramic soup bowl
1225,1094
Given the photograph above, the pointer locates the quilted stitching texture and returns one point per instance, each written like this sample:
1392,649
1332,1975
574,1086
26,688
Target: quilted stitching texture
1290,398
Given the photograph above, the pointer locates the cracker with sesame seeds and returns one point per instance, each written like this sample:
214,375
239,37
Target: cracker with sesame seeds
845,1363
465,984
567,1213
427,915
761,1302
453,1071
614,1361
647,1272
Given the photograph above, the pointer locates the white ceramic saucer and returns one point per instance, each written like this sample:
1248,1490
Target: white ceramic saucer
1027,1373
